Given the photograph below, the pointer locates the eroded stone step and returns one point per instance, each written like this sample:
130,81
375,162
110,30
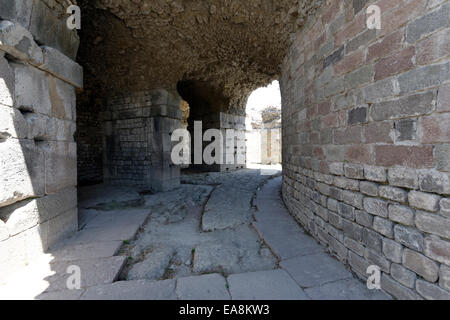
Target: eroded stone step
205,287
94,250
286,239
132,290
315,270
347,289
93,272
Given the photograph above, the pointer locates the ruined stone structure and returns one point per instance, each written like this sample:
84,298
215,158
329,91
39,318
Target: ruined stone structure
365,116
264,139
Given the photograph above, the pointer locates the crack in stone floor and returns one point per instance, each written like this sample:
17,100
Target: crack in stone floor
201,228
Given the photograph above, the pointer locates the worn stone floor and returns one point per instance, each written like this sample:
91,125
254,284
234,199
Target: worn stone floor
218,236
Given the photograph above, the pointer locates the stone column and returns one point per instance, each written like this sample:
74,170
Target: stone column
137,145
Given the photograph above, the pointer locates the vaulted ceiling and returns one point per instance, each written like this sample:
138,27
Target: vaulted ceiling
234,46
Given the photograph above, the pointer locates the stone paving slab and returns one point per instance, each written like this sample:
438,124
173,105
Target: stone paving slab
227,208
265,285
315,269
61,295
286,239
101,234
87,251
119,218
206,287
348,289
93,272
133,290
91,196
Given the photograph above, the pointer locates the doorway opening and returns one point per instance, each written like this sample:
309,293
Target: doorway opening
263,127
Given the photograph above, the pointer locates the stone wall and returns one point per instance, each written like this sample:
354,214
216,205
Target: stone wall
232,148
38,78
366,140
89,143
137,143
270,146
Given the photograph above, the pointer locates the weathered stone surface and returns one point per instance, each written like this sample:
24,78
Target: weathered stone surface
403,177
208,22
445,207
427,24
62,67
87,251
133,290
392,193
431,291
265,285
154,265
94,272
376,206
61,295
110,233
376,258
369,188
7,86
425,201
49,29
392,250
350,289
425,77
434,224
21,171
207,287
372,239
314,270
215,258
444,277
409,237
60,165
364,218
377,174
19,43
119,218
403,275
438,250
401,214
421,265
410,106
434,181
383,226
31,89
19,11
397,290
219,215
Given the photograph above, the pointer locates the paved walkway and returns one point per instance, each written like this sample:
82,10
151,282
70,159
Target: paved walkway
303,270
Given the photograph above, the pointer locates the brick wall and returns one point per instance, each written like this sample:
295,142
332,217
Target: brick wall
366,140
89,143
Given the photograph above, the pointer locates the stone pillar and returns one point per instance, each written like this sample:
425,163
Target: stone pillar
137,145
38,170
223,121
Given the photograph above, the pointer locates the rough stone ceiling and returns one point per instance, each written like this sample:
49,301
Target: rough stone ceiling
233,45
